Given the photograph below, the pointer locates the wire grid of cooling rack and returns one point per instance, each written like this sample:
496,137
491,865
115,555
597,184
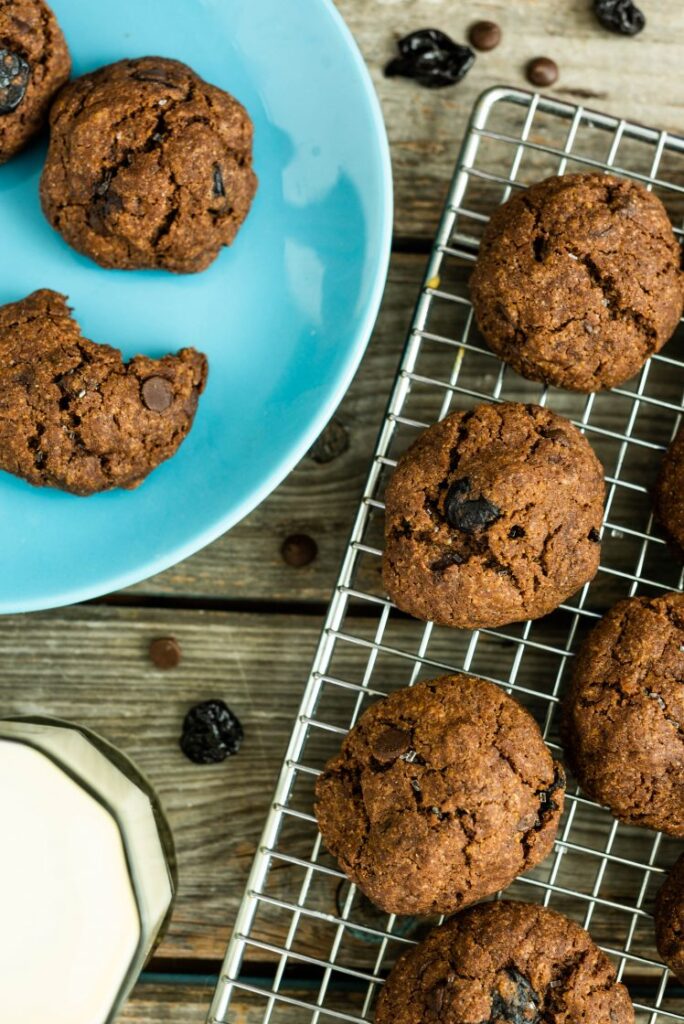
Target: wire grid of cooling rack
298,910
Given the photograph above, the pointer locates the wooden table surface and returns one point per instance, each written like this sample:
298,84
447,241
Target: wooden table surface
247,621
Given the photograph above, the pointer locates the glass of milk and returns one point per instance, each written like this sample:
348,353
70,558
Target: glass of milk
87,874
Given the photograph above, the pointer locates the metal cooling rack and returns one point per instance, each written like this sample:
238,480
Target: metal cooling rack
330,949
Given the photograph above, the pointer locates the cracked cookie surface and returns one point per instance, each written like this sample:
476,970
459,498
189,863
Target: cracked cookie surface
148,166
492,516
505,963
34,64
578,281
669,919
441,794
669,494
624,714
73,415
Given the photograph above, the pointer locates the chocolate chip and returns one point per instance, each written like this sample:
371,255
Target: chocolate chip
434,1000
391,744
516,532
594,536
555,434
333,442
218,186
14,77
542,71
299,550
165,652
484,35
159,75
446,560
157,394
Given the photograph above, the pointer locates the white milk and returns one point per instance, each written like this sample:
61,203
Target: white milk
70,923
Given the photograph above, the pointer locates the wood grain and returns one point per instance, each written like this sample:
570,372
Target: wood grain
188,1004
636,78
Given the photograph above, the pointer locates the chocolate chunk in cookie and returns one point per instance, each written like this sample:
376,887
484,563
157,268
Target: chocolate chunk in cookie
578,281
505,963
148,166
669,919
73,415
492,516
624,714
441,794
34,64
669,494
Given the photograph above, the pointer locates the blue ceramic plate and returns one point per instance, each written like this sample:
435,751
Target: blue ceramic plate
284,315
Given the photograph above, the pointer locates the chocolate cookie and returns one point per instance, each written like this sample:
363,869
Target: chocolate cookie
492,516
624,714
500,962
578,281
669,494
34,64
441,794
73,415
669,920
148,166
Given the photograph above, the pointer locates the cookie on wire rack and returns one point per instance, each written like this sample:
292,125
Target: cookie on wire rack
669,919
493,516
668,503
505,961
578,281
623,722
440,795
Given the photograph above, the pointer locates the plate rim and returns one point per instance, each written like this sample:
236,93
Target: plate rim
355,352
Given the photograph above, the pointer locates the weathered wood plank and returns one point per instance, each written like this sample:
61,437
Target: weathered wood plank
170,1004
188,1004
90,665
638,79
